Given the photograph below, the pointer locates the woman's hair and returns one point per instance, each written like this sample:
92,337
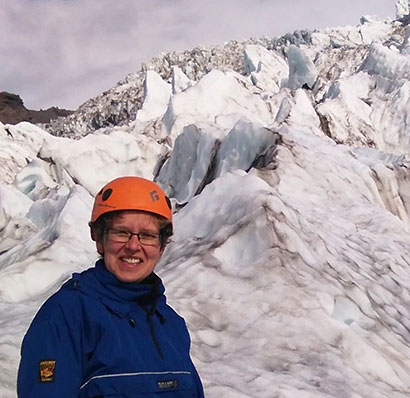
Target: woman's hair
105,221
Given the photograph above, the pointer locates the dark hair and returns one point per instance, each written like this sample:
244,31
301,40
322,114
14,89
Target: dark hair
103,222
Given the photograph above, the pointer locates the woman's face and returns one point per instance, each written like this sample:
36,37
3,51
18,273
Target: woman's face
130,261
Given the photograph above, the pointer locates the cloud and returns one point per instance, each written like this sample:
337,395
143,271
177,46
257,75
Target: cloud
62,52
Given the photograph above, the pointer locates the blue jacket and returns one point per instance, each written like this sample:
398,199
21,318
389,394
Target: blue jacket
99,337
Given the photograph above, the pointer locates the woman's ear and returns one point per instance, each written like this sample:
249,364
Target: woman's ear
100,247
98,239
162,249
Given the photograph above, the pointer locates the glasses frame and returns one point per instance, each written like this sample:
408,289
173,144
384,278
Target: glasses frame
154,243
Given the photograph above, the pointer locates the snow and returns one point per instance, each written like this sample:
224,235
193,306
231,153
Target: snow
302,71
78,160
291,190
18,148
222,94
267,69
180,80
244,145
184,173
386,62
402,8
156,98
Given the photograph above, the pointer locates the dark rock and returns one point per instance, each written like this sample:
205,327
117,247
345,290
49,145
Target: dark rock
13,111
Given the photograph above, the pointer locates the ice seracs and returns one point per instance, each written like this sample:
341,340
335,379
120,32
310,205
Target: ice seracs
19,146
205,152
180,80
267,69
156,97
225,98
302,71
77,160
402,8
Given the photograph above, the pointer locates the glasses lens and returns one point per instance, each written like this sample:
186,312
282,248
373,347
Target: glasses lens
148,239
145,238
118,236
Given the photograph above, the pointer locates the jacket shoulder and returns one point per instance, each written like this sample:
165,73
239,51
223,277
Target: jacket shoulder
65,301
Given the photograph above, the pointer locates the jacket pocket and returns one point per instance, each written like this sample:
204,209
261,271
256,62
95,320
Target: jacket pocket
140,385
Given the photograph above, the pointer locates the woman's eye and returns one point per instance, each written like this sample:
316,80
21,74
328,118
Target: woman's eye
121,233
144,235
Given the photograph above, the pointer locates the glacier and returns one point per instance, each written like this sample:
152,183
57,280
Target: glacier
287,163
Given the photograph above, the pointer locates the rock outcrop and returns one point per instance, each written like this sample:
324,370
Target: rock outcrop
13,111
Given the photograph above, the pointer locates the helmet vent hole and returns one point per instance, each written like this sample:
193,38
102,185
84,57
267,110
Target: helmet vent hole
107,194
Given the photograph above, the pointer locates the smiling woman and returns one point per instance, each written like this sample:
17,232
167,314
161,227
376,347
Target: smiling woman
127,254
108,331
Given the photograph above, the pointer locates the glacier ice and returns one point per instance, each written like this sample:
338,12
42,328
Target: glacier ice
287,161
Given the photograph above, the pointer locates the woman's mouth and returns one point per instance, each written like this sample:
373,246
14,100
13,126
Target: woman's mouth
130,260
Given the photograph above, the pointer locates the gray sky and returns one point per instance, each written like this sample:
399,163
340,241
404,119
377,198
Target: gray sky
63,52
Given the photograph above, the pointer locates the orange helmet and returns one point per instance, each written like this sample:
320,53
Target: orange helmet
131,193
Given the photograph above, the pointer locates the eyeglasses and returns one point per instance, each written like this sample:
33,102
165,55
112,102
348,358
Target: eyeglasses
144,238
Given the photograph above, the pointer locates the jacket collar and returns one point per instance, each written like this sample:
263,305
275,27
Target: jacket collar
119,296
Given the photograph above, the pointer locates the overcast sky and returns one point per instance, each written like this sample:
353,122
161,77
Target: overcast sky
63,52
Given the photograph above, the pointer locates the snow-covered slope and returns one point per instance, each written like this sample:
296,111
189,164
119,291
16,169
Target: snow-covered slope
287,161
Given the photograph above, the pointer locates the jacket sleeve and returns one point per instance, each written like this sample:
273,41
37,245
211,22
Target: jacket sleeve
50,363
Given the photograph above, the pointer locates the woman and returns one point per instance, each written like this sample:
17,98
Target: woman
108,331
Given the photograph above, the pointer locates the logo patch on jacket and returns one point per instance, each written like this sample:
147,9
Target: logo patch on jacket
162,385
46,371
